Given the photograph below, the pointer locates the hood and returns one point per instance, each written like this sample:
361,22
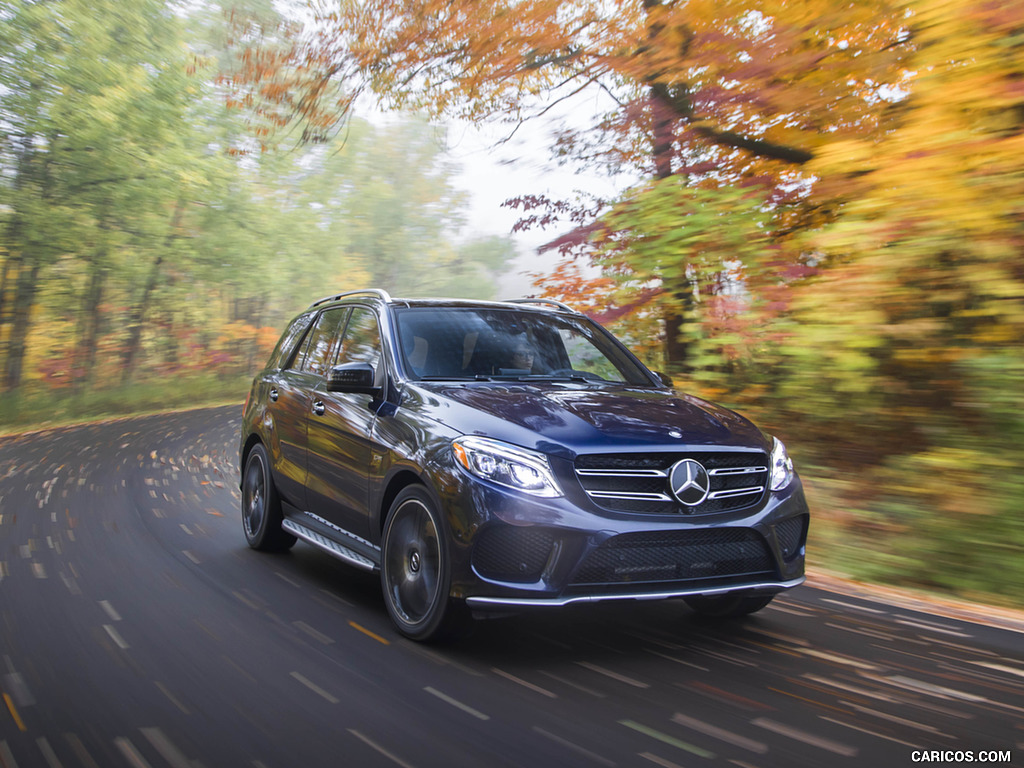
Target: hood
567,419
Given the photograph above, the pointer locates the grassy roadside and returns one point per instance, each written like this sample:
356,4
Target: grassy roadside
33,410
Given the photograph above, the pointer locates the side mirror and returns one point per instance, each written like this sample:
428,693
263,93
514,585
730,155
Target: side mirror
665,379
352,377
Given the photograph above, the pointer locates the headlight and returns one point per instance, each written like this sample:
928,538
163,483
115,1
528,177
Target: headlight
506,465
782,466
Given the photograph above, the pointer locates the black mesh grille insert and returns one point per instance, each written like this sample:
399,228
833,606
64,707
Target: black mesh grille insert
512,553
601,475
677,556
790,534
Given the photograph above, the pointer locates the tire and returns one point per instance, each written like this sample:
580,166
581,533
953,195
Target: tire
415,571
728,606
261,507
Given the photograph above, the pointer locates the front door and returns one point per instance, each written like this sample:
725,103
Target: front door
340,435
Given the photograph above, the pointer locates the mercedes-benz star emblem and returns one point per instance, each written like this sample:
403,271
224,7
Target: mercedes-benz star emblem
689,482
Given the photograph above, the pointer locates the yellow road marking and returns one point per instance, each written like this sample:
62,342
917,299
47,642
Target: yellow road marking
810,701
14,713
368,633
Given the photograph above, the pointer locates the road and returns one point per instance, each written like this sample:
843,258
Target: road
137,629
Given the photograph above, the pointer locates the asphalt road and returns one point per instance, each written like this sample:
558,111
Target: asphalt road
138,629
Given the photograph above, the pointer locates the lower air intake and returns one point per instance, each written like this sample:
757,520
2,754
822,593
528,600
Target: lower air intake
677,556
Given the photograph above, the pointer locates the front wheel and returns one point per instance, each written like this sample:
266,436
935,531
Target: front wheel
728,606
415,569
261,508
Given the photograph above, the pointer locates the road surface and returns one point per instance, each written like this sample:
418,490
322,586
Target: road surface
137,629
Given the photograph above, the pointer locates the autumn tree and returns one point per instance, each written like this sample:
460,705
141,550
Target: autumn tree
914,322
713,91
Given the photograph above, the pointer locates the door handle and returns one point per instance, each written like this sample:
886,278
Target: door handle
318,407
273,394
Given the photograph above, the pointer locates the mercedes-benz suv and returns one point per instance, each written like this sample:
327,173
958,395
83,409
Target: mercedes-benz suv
507,455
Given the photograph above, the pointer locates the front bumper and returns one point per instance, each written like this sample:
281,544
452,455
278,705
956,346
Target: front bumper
511,550
756,588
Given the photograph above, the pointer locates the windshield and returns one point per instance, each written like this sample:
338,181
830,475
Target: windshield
484,343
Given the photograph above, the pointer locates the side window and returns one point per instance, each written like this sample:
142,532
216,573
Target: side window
362,339
586,358
322,342
282,353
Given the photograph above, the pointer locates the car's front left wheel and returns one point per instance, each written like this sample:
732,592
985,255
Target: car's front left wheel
261,508
416,568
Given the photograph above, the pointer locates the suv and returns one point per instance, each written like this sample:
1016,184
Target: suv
504,455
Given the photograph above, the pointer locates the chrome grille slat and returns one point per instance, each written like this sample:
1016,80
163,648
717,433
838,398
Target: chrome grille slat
621,473
737,471
735,492
639,483
626,495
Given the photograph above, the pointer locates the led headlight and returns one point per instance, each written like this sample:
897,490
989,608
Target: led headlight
506,465
782,466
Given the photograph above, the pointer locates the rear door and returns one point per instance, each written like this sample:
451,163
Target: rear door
340,429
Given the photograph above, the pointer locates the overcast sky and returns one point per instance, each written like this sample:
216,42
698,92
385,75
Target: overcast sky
492,172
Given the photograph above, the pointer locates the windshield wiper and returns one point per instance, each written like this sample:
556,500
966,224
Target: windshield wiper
477,377
561,377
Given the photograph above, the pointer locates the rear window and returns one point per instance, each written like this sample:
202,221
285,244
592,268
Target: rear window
282,354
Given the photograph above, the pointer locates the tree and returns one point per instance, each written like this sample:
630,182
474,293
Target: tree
92,99
714,91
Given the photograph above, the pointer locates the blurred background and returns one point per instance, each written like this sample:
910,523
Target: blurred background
810,212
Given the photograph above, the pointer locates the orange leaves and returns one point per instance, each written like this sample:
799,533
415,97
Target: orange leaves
718,78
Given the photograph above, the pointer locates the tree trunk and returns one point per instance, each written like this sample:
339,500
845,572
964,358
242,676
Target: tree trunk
131,352
4,277
665,112
680,303
21,321
87,348
135,325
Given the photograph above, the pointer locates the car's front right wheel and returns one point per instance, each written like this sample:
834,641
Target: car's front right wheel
416,568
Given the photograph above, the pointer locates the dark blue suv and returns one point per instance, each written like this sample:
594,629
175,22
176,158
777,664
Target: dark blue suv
500,456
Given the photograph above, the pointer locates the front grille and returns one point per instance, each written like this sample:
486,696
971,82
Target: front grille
677,556
640,482
516,554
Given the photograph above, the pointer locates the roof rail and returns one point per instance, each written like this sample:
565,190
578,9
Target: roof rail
548,302
367,291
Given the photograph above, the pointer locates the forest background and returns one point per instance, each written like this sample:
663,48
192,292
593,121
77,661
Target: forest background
826,232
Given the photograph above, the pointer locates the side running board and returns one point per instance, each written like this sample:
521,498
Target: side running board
329,546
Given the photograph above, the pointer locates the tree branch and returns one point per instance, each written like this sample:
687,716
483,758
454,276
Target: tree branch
756,146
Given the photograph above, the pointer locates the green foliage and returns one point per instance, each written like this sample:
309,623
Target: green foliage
141,237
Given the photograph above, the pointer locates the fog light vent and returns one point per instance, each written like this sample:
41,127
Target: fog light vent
516,554
790,534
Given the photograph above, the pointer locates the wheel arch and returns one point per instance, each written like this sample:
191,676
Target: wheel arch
247,447
401,480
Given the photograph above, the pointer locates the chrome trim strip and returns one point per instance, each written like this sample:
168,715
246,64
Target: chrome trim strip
330,547
557,602
730,493
621,473
342,531
737,470
635,496
548,302
380,294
